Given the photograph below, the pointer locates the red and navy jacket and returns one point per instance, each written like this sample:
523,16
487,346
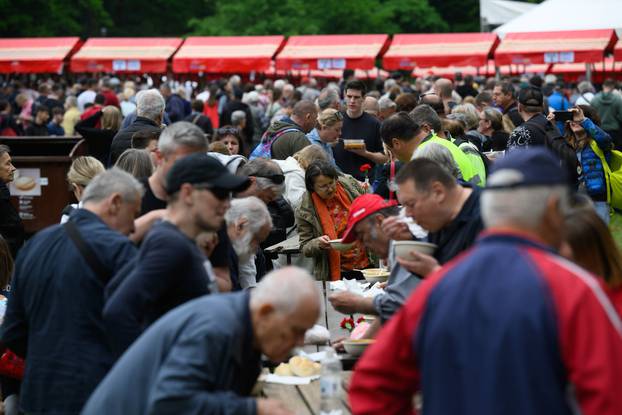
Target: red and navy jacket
507,328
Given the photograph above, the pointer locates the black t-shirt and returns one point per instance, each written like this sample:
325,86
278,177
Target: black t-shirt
150,201
366,127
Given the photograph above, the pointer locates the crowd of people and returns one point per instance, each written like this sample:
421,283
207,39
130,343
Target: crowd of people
155,292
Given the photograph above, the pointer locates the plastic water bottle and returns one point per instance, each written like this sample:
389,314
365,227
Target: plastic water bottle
330,384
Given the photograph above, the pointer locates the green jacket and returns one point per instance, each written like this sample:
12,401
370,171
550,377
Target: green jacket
464,163
609,107
310,228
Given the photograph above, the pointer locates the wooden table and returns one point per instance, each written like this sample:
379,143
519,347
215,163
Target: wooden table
305,399
288,248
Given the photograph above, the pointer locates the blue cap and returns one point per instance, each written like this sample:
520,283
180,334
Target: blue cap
535,166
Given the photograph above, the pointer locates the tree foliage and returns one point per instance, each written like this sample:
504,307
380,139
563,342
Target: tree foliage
234,17
290,17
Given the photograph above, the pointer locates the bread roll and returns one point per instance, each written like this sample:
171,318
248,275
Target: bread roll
25,183
301,366
283,370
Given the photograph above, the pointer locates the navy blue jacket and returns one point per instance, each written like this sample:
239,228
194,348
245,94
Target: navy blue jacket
169,270
53,317
197,359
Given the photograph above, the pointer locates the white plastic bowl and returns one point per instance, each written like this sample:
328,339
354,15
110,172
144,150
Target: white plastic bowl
374,275
337,245
404,248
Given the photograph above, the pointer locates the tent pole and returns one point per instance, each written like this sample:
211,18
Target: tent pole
588,72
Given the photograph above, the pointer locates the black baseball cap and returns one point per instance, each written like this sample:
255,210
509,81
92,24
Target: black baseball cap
199,168
531,97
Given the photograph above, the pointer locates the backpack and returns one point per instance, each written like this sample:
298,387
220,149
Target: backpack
555,142
264,148
613,175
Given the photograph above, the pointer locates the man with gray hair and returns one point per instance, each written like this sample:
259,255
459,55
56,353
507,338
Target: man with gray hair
386,108
149,112
537,332
176,141
54,315
170,268
248,225
205,356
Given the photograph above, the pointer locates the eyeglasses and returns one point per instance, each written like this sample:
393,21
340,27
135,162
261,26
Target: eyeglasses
220,132
274,178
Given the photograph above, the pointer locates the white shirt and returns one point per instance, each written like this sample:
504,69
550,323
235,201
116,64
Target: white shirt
87,97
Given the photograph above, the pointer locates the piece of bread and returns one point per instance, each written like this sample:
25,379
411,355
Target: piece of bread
301,366
283,370
25,183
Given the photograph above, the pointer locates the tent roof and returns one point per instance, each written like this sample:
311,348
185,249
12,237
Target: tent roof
331,52
497,12
35,55
222,54
554,47
557,15
125,55
427,50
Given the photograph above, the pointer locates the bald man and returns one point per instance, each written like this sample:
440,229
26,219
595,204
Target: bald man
204,356
370,106
289,135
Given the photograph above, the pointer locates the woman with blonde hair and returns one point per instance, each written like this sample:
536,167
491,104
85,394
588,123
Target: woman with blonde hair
327,133
82,171
99,140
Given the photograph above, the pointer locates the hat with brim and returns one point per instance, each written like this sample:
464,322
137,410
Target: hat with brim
202,169
361,208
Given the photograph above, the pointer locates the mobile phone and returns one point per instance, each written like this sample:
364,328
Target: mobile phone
563,116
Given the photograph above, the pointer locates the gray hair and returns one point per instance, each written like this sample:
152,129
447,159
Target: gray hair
260,168
251,208
71,101
285,289
237,117
521,206
440,154
113,181
136,162
4,149
425,114
327,97
150,104
182,133
469,111
585,86
386,103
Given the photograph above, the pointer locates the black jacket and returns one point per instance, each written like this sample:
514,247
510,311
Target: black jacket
123,140
97,139
201,121
11,227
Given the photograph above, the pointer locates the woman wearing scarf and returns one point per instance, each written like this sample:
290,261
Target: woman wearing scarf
322,217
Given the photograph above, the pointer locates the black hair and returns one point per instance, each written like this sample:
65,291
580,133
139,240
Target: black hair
141,138
399,126
197,105
424,172
506,88
357,86
100,99
316,169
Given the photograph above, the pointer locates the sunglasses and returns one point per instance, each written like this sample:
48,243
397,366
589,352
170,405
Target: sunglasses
274,178
219,193
227,131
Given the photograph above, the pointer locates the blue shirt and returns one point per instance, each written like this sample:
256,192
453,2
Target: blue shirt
56,129
169,270
314,138
54,314
197,359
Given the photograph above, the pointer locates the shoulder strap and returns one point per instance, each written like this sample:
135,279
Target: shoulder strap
87,253
196,118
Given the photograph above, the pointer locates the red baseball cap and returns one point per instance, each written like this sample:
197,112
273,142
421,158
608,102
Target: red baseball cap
362,207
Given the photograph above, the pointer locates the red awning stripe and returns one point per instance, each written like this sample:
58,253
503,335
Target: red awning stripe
35,55
125,55
331,52
441,50
555,47
226,54
617,51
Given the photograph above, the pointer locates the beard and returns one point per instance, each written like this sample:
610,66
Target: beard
242,247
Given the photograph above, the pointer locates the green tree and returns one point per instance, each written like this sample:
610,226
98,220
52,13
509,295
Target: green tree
292,17
52,17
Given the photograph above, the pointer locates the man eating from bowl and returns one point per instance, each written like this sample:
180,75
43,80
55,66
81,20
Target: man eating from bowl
365,224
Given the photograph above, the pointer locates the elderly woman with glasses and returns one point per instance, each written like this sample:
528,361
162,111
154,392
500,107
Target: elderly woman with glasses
491,125
322,217
231,137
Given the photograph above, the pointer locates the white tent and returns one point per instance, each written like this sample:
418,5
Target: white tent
498,12
553,15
